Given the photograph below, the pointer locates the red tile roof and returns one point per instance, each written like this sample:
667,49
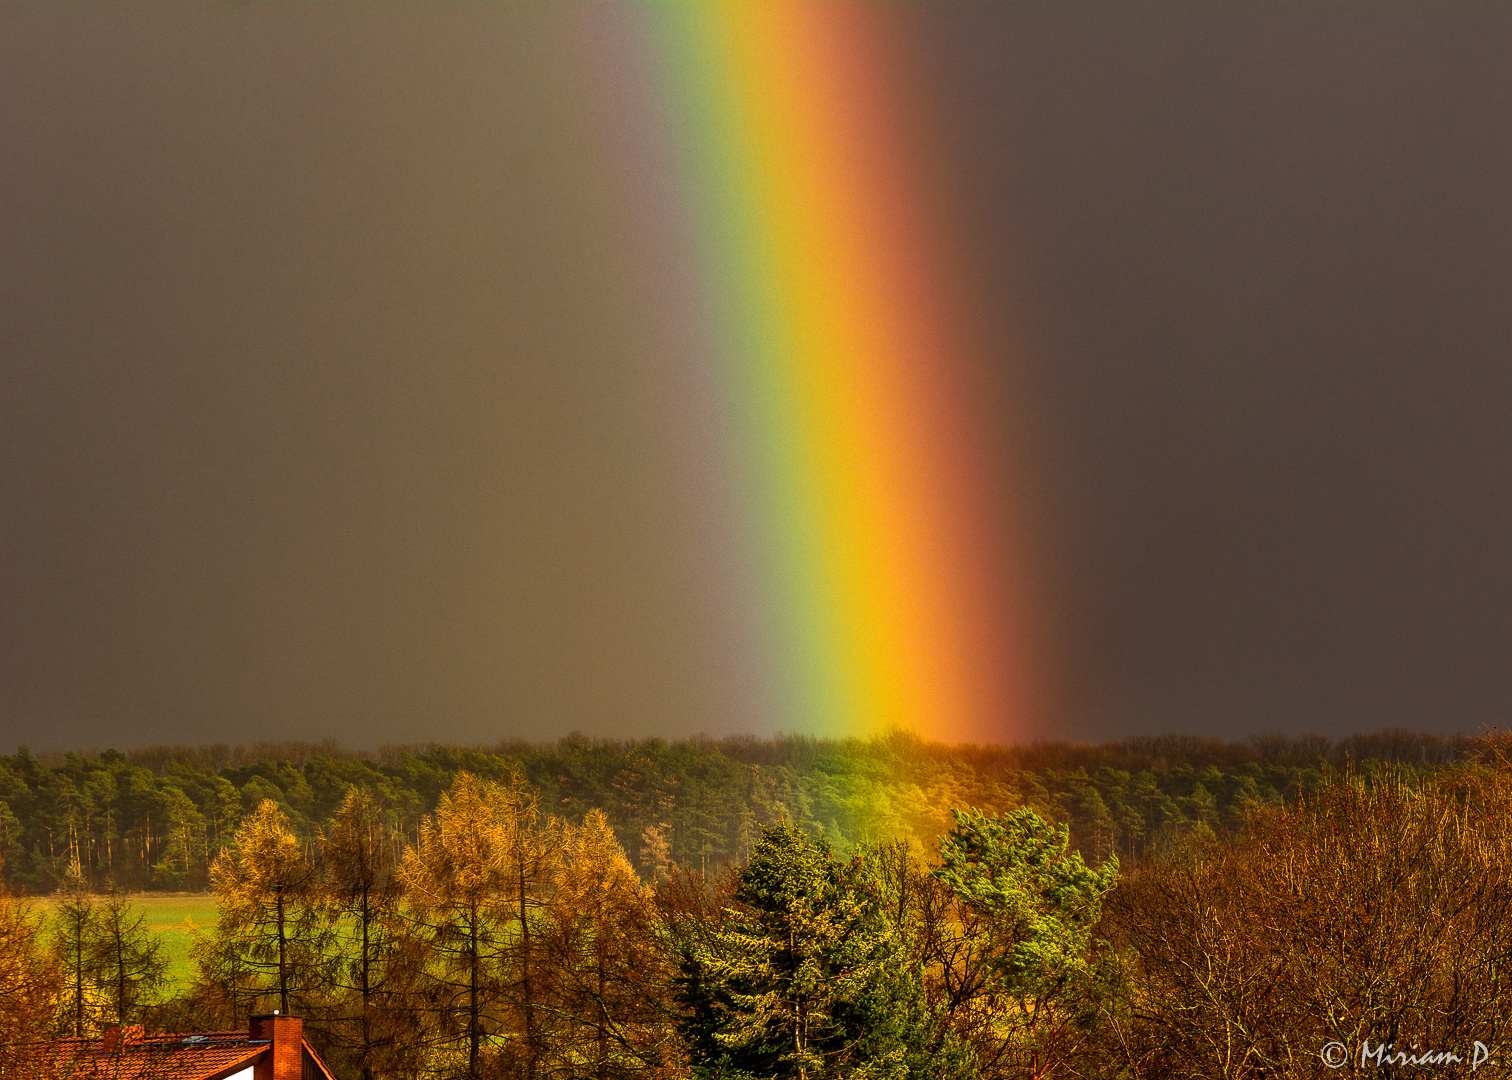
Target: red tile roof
209,1056
212,1055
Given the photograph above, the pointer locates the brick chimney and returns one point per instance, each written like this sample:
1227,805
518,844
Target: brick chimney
119,1036
286,1062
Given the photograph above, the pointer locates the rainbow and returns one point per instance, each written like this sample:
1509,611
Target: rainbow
805,269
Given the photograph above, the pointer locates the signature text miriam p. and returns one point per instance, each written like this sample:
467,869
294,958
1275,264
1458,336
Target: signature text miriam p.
1336,1055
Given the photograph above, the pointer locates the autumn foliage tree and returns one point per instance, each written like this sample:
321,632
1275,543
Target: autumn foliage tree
379,965
73,931
30,986
273,939
607,978
470,878
1273,907
532,849
110,965
126,958
1376,909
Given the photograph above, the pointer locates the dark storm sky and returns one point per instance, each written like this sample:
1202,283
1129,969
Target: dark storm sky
1265,254
323,407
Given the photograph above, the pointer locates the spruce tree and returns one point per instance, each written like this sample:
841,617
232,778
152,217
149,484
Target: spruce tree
805,976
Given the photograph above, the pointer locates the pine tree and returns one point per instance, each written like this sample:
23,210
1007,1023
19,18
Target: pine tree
183,832
1027,909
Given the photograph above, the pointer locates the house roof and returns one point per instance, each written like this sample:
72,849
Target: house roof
211,1055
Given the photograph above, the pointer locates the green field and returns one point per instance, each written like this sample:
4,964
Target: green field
173,917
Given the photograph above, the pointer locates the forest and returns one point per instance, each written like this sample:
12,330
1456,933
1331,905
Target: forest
155,818
783,908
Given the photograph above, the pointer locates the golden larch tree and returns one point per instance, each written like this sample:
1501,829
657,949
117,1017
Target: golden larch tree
272,938
610,985
380,962
460,881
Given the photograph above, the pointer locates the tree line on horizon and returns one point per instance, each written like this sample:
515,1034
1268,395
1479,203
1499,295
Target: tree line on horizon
156,818
506,941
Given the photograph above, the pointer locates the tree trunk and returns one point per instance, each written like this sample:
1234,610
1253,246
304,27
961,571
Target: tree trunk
79,983
367,959
119,944
530,1032
283,971
599,949
473,1026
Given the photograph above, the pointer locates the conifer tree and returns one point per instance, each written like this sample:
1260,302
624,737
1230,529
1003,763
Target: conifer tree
126,958
1027,906
455,880
532,849
804,978
607,977
381,961
272,939
1017,868
73,935
30,986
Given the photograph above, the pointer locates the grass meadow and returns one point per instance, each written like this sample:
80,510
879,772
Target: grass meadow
173,917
